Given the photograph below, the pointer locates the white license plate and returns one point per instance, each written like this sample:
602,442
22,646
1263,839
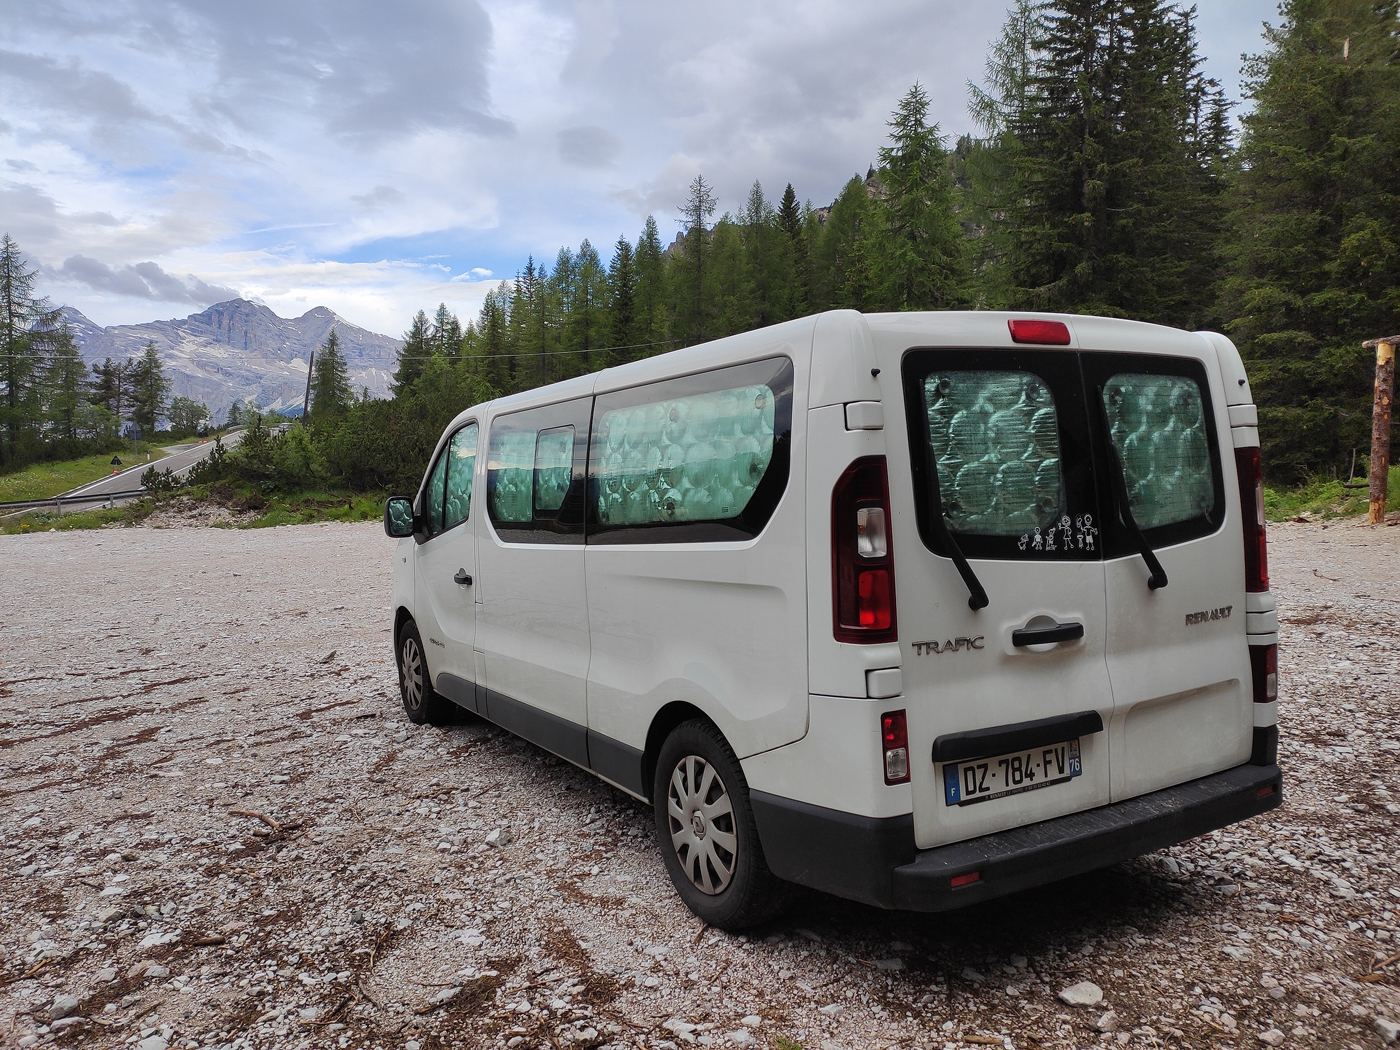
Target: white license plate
984,779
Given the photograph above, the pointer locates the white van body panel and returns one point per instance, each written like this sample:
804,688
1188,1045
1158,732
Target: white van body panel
720,626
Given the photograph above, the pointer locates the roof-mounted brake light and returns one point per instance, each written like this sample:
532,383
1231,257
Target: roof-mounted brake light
1050,333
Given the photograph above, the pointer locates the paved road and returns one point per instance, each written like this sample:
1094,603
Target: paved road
180,459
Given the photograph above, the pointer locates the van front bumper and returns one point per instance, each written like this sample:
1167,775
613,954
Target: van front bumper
874,860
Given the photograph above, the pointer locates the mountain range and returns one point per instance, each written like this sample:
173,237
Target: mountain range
242,351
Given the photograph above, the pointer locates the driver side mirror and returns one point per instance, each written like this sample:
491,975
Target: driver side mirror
398,517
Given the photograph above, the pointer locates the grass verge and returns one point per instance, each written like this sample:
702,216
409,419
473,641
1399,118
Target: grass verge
221,506
43,480
1326,498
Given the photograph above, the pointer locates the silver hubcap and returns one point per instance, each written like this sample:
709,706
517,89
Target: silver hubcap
411,674
702,824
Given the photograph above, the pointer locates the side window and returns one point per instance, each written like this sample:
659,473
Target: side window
1158,426
432,496
535,464
554,463
700,458
461,465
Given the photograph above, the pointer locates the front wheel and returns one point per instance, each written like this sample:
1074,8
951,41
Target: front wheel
421,702
707,833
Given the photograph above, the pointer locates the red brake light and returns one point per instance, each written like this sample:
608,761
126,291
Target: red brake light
1256,548
894,733
862,555
1052,333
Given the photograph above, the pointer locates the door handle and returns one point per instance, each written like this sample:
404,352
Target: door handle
463,578
1061,632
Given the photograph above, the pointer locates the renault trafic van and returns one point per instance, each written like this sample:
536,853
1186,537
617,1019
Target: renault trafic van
917,609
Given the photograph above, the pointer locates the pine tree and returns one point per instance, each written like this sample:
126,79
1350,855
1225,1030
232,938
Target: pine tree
1110,206
692,312
622,304
1315,246
111,386
27,326
922,255
843,274
331,393
653,299
791,222
417,347
445,335
64,383
150,391
585,329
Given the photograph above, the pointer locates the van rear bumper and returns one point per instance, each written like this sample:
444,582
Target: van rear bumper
874,860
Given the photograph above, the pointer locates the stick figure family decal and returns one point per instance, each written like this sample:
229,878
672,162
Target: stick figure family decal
1067,535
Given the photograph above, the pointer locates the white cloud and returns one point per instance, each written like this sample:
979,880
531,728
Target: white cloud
357,155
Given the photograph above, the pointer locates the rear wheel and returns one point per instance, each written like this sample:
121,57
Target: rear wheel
421,702
707,833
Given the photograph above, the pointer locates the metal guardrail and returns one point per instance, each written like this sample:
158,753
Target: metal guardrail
59,501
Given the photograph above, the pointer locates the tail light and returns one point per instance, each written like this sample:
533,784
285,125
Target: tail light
1263,665
1256,548
862,554
894,733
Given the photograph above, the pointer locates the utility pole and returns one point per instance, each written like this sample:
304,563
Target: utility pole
306,401
1380,424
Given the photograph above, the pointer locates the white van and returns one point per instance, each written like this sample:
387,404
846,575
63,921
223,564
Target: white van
917,609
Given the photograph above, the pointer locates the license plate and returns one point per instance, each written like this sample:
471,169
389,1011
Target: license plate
965,783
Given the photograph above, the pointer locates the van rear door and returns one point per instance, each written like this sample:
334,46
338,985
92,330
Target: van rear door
1177,654
1007,705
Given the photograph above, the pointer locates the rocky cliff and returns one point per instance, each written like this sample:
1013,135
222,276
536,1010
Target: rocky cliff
241,351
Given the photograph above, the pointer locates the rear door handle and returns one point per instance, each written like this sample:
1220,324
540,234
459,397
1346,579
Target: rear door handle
1061,632
466,581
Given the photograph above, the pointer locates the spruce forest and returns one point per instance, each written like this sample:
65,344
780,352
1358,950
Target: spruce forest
1107,176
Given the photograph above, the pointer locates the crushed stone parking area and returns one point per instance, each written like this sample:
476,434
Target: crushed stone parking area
218,829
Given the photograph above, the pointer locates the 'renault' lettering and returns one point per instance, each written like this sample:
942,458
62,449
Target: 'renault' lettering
1223,613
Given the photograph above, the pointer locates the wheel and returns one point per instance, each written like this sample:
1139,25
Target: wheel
421,701
706,830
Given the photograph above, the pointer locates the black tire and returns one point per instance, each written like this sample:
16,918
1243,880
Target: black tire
711,849
421,702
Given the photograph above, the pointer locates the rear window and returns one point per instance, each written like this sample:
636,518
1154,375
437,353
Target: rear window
1158,426
995,438
999,447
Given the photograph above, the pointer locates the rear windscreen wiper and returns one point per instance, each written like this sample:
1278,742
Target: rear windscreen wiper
1158,577
977,596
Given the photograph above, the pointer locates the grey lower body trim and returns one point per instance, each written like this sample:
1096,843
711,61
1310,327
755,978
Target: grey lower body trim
565,738
458,690
874,860
611,759
618,762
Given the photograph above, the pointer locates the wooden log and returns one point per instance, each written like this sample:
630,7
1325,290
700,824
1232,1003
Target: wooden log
1380,427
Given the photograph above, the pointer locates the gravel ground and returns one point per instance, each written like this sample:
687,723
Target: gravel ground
218,829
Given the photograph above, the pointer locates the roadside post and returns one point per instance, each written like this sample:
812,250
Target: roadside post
1380,424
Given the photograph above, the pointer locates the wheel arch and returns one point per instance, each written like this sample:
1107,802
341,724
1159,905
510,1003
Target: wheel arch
401,617
665,720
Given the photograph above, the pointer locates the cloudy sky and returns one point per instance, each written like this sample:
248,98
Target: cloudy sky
157,156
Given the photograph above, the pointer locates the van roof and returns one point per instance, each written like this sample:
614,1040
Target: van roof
986,328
